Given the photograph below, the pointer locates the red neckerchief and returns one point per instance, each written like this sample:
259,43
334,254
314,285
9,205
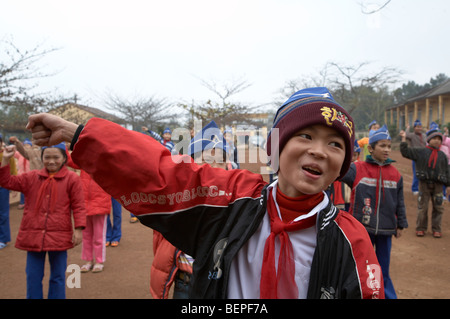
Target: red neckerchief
48,183
433,156
281,284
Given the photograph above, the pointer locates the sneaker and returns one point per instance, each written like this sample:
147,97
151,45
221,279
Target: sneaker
114,243
2,245
437,234
415,193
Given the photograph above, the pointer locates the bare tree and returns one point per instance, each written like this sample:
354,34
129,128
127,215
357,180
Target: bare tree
224,112
346,81
20,72
365,94
141,111
227,90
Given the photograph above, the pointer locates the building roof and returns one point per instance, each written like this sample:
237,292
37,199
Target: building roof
94,111
441,89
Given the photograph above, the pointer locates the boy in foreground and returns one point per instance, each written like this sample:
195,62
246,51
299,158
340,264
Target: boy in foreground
248,239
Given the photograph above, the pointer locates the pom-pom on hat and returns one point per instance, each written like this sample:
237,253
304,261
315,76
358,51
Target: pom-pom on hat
208,138
305,108
381,134
433,132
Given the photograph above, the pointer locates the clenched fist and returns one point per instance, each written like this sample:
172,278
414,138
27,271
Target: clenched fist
48,129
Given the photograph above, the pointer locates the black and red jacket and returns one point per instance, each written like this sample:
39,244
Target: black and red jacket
210,213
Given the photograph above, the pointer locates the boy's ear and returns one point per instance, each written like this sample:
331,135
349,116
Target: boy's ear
369,147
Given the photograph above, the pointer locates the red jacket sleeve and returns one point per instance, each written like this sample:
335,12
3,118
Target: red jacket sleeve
146,178
12,182
77,202
368,268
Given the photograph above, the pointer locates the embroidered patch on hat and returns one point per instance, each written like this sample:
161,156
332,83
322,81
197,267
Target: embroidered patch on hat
330,115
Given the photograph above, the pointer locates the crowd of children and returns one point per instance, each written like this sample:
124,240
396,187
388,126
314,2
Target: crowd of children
221,232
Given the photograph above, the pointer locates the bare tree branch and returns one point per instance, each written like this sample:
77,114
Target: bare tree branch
227,90
140,111
365,10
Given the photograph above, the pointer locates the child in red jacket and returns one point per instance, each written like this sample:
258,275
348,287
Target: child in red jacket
52,196
98,207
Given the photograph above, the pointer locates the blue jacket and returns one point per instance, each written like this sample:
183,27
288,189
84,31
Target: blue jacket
377,196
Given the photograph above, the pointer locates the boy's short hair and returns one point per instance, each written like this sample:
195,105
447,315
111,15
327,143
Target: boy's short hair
305,108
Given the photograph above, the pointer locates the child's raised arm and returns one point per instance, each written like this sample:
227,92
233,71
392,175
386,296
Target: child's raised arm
8,153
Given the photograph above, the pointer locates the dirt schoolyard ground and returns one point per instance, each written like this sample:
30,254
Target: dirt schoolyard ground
419,266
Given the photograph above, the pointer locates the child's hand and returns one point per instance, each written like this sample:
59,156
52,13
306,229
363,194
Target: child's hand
77,236
9,151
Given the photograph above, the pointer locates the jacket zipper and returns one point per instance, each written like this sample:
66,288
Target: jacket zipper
378,202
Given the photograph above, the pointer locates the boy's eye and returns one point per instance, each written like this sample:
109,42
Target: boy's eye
337,144
304,135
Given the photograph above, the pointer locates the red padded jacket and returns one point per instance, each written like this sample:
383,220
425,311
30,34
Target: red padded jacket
47,217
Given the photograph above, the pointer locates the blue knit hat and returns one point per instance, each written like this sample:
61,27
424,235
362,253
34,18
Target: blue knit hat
208,138
305,108
433,131
356,149
372,123
60,145
417,122
381,134
167,130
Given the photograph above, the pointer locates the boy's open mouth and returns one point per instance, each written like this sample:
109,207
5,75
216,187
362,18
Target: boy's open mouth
312,170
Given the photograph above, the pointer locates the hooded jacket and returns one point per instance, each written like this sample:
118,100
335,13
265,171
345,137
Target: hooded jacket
377,196
48,226
210,213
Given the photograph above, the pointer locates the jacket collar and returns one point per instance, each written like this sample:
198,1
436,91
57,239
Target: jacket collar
370,159
60,174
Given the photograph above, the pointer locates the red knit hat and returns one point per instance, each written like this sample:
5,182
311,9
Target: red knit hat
305,108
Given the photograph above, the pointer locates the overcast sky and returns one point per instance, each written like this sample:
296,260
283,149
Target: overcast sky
163,48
